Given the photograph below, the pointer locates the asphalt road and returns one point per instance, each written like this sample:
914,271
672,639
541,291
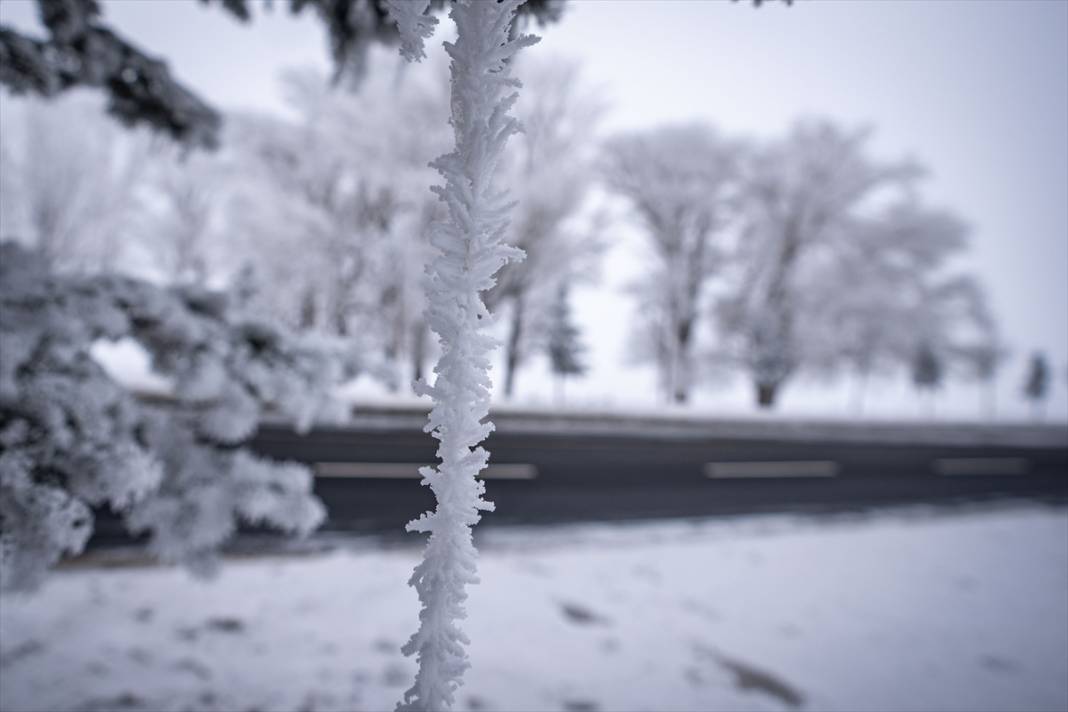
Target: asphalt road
590,469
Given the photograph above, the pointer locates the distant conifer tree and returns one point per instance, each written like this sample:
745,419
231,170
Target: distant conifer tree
564,345
1036,387
928,371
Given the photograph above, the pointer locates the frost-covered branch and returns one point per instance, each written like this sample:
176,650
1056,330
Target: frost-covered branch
470,250
71,438
414,25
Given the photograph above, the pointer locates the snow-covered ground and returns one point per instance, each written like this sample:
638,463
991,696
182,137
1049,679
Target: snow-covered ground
914,609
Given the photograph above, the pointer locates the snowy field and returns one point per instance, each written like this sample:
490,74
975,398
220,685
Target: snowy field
912,609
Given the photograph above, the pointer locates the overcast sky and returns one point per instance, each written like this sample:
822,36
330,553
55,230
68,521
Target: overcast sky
977,90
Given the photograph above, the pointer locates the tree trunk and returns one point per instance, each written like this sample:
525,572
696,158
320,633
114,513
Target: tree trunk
418,350
395,368
682,371
766,393
511,355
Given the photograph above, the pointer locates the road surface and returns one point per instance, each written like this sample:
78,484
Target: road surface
548,468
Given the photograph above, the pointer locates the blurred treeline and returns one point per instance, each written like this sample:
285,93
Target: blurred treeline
800,255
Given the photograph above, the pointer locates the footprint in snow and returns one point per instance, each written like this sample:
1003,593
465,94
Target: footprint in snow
580,615
122,701
751,678
998,664
385,646
580,706
196,669
225,625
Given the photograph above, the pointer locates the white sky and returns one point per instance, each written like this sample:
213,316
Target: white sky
977,90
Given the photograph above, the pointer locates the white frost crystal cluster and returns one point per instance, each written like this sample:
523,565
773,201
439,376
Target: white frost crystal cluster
414,25
72,439
469,251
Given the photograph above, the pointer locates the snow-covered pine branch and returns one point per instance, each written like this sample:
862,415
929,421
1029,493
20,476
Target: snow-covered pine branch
71,438
470,250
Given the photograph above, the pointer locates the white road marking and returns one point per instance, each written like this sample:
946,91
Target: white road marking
977,466
778,468
410,470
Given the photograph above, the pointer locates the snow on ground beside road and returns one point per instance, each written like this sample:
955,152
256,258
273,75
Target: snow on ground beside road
129,364
906,610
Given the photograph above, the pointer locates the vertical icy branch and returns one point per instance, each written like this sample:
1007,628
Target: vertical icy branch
469,253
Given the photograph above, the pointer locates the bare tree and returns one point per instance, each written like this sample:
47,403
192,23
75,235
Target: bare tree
679,181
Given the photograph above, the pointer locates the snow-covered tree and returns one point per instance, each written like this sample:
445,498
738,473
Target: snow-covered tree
549,169
1036,385
680,182
72,438
339,196
469,252
564,344
296,221
867,331
68,181
875,295
953,316
987,358
180,210
801,199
